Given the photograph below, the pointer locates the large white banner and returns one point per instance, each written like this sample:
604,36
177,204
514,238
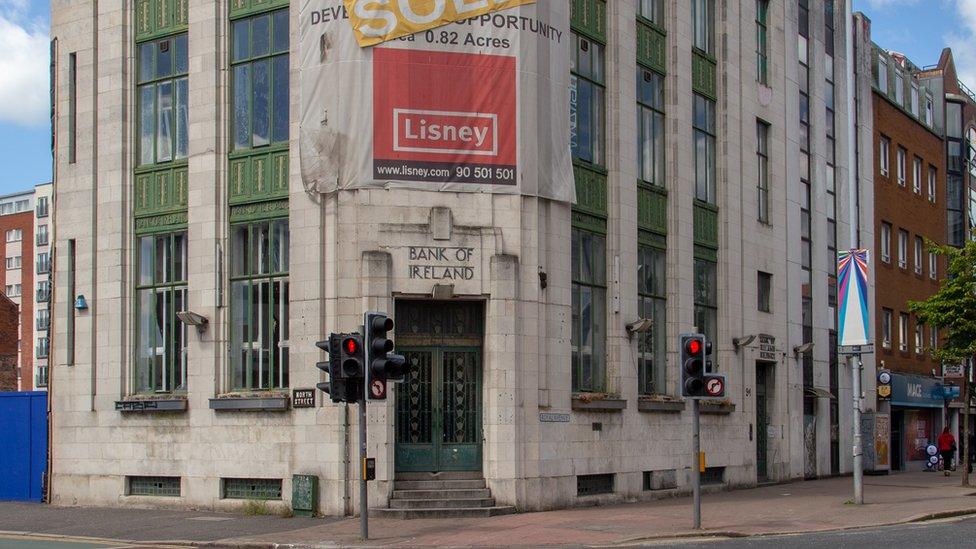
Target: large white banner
479,105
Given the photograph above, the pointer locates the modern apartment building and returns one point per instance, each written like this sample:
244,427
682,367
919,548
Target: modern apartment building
713,191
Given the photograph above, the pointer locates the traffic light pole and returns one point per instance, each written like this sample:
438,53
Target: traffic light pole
363,504
696,463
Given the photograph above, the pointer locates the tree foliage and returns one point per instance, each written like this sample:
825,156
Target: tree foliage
953,308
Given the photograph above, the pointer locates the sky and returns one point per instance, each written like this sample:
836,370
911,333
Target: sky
917,28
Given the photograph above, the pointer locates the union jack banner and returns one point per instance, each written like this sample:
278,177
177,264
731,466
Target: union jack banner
852,293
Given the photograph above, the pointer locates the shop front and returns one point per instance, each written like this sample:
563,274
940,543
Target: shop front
918,414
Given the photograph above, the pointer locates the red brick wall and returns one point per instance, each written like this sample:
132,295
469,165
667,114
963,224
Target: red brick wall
904,209
9,316
25,222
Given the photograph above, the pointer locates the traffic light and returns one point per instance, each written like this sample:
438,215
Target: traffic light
345,367
383,364
692,355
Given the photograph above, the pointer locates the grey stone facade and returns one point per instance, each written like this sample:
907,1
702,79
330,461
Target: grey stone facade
347,258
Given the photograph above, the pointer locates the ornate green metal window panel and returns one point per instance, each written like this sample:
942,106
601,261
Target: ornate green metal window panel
160,362
252,488
159,201
589,17
652,304
159,17
154,486
706,225
259,81
259,305
256,176
651,46
162,93
652,209
703,75
591,191
241,8
589,311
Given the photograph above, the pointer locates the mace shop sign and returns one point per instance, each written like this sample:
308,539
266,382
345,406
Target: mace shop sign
916,391
451,95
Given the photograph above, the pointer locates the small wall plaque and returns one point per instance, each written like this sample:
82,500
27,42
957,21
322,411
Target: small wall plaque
303,398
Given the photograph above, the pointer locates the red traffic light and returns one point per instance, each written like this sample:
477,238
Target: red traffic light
351,345
693,346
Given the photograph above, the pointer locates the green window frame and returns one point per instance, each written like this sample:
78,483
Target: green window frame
652,10
259,304
703,18
161,290
762,41
650,136
652,304
589,289
587,103
162,98
706,298
260,80
704,148
762,175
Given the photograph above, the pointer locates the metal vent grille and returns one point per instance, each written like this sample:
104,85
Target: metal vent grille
154,486
713,475
252,488
591,485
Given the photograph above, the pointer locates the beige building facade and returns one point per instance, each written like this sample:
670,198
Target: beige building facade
714,194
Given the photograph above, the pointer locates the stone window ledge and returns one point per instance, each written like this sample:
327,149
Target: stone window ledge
716,408
148,404
268,402
589,402
660,405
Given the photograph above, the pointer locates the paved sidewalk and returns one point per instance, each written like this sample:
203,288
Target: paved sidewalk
787,508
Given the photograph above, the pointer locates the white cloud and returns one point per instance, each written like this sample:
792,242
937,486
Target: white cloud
961,41
24,96
882,4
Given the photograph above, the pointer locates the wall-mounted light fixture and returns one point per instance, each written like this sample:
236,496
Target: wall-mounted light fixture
81,304
740,342
193,319
640,326
800,350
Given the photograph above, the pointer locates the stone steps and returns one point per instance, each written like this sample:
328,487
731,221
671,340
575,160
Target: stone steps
449,494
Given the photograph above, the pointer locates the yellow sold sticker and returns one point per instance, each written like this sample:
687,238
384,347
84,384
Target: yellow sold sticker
376,21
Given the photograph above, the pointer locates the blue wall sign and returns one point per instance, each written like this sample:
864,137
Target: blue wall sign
916,391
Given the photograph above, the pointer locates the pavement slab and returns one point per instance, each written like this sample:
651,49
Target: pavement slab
805,506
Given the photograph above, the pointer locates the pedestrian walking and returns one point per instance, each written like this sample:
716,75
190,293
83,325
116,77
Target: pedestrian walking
947,447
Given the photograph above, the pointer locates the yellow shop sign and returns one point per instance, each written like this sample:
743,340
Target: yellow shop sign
376,21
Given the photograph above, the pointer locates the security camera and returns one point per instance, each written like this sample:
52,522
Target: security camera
193,319
641,325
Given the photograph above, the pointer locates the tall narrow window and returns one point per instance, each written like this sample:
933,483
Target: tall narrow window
933,338
703,14
917,176
886,328
903,332
41,236
901,166
259,80
928,109
882,74
652,10
933,266
884,155
706,298
899,88
43,263
161,293
762,160
650,108
918,255
259,304
762,41
902,248
589,311
704,136
764,289
162,98
652,305
919,340
72,106
914,105
885,242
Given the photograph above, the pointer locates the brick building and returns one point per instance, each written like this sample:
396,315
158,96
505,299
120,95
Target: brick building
17,275
9,318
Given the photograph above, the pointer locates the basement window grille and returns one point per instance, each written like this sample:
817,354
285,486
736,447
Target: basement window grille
713,475
252,488
591,485
154,486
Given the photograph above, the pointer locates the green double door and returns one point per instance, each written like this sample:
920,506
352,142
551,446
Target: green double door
439,403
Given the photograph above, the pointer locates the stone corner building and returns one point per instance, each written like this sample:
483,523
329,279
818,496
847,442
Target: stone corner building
714,191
